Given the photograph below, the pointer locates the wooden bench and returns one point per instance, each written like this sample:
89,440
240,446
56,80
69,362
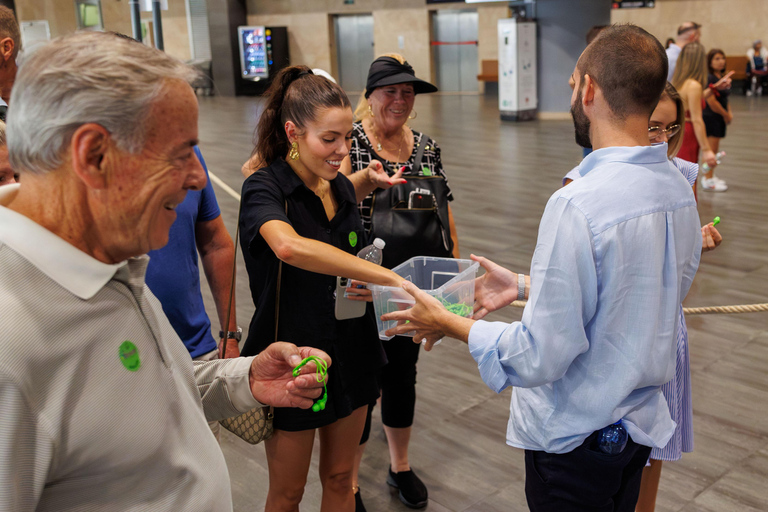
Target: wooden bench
737,63
490,71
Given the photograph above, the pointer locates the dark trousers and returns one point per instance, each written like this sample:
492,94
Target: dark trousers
398,385
585,480
398,382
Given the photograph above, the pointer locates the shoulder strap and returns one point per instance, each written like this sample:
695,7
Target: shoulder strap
420,151
222,349
223,346
279,280
363,141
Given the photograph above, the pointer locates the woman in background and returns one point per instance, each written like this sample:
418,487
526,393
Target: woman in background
757,62
381,136
690,80
717,115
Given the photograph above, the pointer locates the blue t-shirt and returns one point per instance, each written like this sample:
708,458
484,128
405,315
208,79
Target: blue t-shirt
174,276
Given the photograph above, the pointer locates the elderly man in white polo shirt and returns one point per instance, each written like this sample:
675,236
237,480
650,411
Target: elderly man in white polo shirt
101,407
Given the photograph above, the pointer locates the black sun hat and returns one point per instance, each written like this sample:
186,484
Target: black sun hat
388,71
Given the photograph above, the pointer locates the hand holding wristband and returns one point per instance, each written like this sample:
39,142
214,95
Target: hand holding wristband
322,372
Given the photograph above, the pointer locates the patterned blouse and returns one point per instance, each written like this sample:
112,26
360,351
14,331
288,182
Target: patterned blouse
361,157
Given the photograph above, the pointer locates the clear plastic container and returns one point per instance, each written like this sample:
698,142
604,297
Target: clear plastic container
450,280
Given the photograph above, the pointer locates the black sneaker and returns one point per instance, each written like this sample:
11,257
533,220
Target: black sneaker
359,507
413,492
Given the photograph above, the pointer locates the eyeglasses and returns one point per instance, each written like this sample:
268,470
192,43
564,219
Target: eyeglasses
655,132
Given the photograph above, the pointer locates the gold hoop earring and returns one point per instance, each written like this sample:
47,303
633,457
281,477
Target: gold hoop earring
414,114
293,154
370,111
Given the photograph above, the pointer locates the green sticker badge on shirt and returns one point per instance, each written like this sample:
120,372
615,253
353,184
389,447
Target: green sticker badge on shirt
425,171
352,238
129,356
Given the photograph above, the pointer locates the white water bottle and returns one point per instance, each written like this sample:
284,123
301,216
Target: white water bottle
719,156
373,252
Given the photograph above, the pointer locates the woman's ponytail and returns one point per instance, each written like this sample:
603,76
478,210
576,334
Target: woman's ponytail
296,95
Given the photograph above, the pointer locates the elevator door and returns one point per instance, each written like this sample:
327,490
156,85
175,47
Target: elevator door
455,50
354,46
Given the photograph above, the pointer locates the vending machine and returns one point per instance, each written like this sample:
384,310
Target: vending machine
263,52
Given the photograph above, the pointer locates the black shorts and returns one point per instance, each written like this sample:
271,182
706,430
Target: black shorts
715,125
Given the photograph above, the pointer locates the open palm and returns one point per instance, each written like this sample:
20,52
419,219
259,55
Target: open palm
494,289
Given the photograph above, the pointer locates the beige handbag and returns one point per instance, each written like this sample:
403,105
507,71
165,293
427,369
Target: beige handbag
255,425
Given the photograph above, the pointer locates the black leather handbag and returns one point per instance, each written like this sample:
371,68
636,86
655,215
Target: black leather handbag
412,218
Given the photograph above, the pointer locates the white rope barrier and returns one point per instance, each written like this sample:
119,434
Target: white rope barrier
707,310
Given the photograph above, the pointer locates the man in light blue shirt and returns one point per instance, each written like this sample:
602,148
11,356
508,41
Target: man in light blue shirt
615,256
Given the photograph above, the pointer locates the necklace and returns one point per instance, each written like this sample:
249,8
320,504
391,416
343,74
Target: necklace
379,147
322,191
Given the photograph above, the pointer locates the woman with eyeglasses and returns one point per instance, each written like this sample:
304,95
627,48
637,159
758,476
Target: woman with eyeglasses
690,80
665,127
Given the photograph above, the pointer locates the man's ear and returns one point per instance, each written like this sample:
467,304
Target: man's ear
6,48
588,96
89,147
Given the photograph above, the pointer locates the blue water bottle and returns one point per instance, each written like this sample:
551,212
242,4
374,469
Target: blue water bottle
612,439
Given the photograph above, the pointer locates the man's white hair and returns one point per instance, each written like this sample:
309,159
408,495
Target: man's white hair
87,77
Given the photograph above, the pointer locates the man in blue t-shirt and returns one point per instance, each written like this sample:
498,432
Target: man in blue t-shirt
173,274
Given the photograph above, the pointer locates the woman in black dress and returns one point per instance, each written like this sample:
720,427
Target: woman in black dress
299,210
717,115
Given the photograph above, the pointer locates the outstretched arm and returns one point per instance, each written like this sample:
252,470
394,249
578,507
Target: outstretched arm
541,348
322,258
497,288
233,386
369,179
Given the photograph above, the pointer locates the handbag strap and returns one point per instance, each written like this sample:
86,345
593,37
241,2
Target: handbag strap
271,412
223,346
279,282
420,151
234,273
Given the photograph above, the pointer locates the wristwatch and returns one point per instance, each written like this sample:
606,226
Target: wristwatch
521,286
232,335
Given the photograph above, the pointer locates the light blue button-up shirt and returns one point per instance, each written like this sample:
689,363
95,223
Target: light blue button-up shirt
616,254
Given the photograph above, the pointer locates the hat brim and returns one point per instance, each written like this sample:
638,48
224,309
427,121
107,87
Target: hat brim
419,86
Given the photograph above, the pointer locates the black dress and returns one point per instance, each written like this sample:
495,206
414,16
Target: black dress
306,298
714,122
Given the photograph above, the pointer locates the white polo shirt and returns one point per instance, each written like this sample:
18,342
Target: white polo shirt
83,424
